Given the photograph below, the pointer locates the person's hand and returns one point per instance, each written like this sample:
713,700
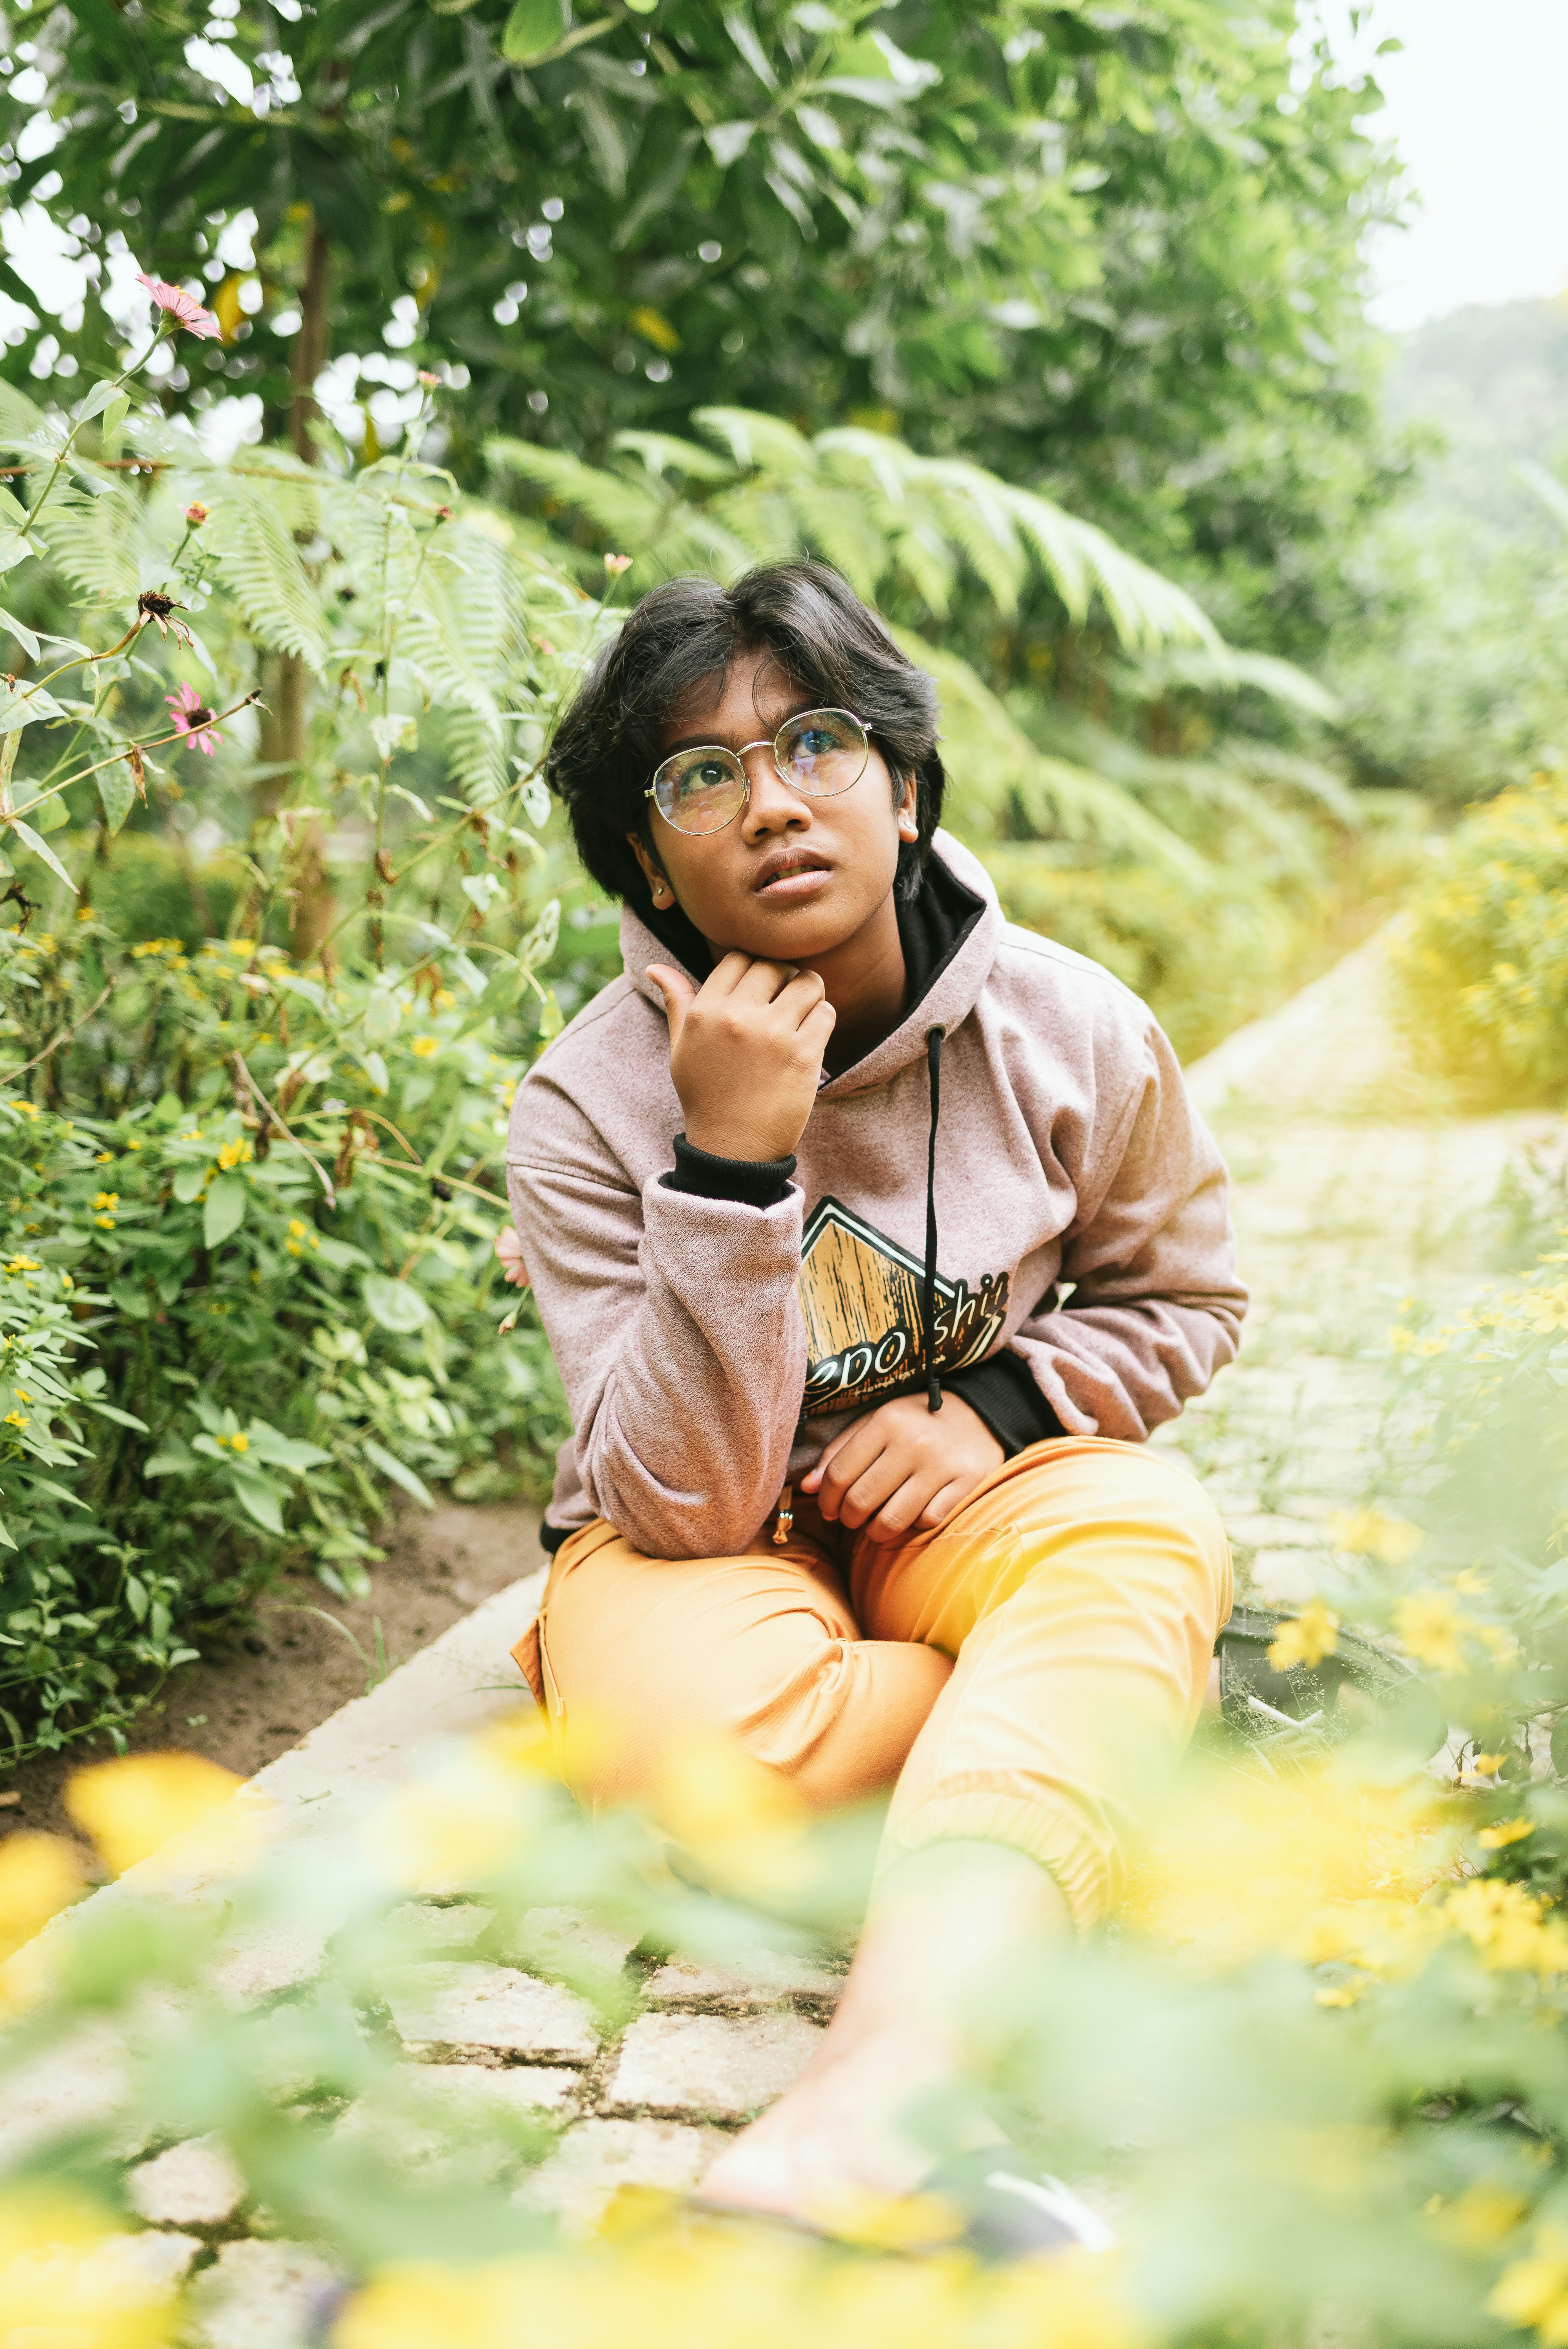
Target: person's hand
509,1249
746,1053
903,1467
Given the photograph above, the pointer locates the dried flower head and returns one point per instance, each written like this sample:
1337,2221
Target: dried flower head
182,307
152,603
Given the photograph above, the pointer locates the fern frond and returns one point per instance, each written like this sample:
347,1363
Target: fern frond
252,539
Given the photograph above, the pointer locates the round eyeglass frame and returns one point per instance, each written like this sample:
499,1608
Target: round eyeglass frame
786,774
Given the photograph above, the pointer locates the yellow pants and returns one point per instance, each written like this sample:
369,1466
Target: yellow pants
1025,1675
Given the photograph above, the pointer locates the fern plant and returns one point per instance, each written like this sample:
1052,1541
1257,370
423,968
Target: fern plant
925,537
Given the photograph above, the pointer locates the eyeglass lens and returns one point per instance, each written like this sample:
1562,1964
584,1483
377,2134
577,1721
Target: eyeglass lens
820,752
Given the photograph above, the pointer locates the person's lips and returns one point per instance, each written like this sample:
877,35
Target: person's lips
791,873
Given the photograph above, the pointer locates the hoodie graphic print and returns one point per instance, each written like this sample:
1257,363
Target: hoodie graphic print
713,1332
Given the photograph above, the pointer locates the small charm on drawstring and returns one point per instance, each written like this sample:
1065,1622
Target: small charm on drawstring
785,1518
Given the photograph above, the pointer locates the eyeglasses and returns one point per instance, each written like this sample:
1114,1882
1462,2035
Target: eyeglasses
819,752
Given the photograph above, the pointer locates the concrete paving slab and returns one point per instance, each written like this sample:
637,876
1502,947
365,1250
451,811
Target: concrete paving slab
491,2009
709,2066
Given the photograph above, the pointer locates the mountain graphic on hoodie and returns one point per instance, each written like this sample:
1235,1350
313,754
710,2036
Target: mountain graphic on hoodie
861,1300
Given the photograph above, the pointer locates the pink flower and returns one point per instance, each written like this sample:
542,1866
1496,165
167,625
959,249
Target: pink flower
183,307
509,1247
193,719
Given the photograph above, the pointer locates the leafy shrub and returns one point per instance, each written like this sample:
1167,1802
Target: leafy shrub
1485,960
248,1198
228,1340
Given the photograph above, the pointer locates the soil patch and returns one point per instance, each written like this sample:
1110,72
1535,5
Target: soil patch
256,1692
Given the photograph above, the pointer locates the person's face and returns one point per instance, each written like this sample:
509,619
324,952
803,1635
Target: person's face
792,877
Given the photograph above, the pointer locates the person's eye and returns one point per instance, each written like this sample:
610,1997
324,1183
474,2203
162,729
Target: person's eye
813,743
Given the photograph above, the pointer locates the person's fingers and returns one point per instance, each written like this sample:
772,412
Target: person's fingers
800,997
854,1460
942,1503
873,1488
679,995
763,981
813,1476
817,1029
900,1511
726,973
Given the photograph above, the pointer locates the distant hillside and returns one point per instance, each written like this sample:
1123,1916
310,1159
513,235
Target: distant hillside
1495,379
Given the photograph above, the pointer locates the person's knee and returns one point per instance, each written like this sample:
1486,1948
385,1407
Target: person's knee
769,1689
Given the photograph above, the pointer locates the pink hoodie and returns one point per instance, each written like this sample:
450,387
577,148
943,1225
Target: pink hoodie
710,1345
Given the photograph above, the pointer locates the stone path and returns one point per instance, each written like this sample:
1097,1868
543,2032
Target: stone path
1355,1184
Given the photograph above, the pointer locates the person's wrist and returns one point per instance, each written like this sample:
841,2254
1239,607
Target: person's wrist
740,1138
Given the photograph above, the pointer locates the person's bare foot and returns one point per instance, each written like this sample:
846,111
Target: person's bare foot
851,2125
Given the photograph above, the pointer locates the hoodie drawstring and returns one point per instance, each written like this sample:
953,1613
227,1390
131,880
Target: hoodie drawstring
933,1037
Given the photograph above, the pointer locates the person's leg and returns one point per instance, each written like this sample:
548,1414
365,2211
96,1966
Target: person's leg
1081,1589
635,1655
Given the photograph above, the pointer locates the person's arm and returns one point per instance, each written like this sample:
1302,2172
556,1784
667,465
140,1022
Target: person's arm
1156,1304
672,1311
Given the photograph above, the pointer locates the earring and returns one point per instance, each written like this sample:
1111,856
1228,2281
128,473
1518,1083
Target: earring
660,892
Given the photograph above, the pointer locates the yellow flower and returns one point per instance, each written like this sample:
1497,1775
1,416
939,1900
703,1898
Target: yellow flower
21,1395
1534,2291
24,1264
68,2277
297,1230
104,1158
17,1419
39,1874
1506,1831
241,946
1314,1634
423,1046
1488,1765
234,1154
241,1442
1372,1533
104,1222
131,1142
132,1807
1547,1308
1509,1926
1430,1623
107,1199
27,1108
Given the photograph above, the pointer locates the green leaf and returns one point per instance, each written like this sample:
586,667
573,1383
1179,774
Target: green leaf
114,414
24,636
395,1305
390,1465
260,1498
98,400
374,1068
225,1208
112,1412
118,793
174,1459
30,839
53,814
285,1451
189,1180
134,1303
533,27
383,1015
1560,1745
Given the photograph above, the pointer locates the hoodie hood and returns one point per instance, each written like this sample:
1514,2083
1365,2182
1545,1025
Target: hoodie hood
951,927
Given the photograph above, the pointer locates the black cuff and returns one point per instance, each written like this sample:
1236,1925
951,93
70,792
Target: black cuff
754,1182
1002,1393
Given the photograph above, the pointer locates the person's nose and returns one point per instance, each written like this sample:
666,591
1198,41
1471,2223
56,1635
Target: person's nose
772,807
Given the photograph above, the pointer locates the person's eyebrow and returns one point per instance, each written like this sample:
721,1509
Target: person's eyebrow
716,742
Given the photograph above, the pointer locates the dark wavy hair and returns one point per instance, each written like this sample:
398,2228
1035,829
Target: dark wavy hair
685,635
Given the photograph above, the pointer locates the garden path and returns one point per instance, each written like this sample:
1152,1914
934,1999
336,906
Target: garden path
1356,1181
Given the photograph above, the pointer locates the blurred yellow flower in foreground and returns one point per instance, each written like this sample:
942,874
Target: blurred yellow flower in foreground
134,1806
1534,2291
39,1874
1372,1533
743,1824
1310,1860
1434,1627
66,2281
676,2292
1314,1634
1511,1928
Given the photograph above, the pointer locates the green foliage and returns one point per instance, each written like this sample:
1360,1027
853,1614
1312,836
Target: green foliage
241,1337
1116,249
1484,959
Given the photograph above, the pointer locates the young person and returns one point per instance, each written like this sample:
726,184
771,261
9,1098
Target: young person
872,1236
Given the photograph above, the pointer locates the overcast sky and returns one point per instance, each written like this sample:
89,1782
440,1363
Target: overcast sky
1475,105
